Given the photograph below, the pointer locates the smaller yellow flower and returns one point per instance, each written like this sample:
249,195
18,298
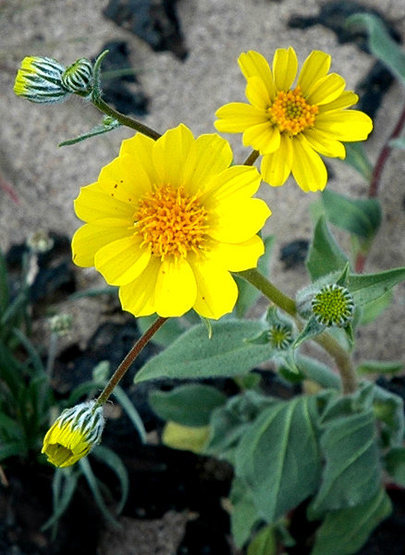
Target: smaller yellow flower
291,126
39,79
73,434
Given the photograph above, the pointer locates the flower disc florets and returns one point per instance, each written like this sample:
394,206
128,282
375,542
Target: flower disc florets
73,434
168,221
280,336
333,306
291,126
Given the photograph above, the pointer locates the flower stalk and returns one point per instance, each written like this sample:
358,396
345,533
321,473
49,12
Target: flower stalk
128,360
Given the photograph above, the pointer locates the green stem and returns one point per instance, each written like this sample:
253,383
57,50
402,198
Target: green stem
325,340
269,290
99,103
128,360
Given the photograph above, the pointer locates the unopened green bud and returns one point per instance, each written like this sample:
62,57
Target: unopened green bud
280,336
333,306
78,77
39,79
61,324
74,434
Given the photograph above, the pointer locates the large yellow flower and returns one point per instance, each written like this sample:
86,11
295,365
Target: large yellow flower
167,221
289,126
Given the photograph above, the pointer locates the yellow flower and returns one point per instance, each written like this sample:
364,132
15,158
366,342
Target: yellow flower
167,222
289,126
73,434
39,79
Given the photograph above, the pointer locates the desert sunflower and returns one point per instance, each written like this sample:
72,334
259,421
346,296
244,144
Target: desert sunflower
291,126
167,222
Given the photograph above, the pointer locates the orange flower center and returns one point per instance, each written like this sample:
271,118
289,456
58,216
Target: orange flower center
291,112
171,222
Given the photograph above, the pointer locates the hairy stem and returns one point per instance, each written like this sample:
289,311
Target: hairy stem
129,359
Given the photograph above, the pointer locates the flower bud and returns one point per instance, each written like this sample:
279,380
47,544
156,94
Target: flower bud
73,434
333,306
78,77
39,79
280,336
61,324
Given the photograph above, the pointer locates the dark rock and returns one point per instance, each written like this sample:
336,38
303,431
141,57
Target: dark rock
124,90
154,21
294,253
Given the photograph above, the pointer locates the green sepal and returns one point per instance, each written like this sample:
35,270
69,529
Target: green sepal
108,124
312,329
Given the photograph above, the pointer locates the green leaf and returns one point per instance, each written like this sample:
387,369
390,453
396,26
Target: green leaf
380,367
367,288
359,216
63,486
324,254
264,542
230,422
95,490
131,411
381,45
351,474
111,459
395,465
11,449
109,124
248,295
357,158
244,515
344,532
318,372
190,405
372,310
165,336
278,456
193,355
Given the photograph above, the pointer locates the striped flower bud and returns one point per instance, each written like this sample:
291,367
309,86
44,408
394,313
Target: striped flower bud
333,306
39,79
78,77
73,434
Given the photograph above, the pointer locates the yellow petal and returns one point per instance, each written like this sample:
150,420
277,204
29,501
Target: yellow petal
176,288
235,117
89,238
124,179
326,90
315,67
275,168
345,125
325,143
285,65
254,64
209,154
239,256
121,261
308,169
138,297
263,137
346,99
236,222
235,182
257,94
94,204
216,289
170,154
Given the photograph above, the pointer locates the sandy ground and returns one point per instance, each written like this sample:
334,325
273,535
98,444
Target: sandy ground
47,178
